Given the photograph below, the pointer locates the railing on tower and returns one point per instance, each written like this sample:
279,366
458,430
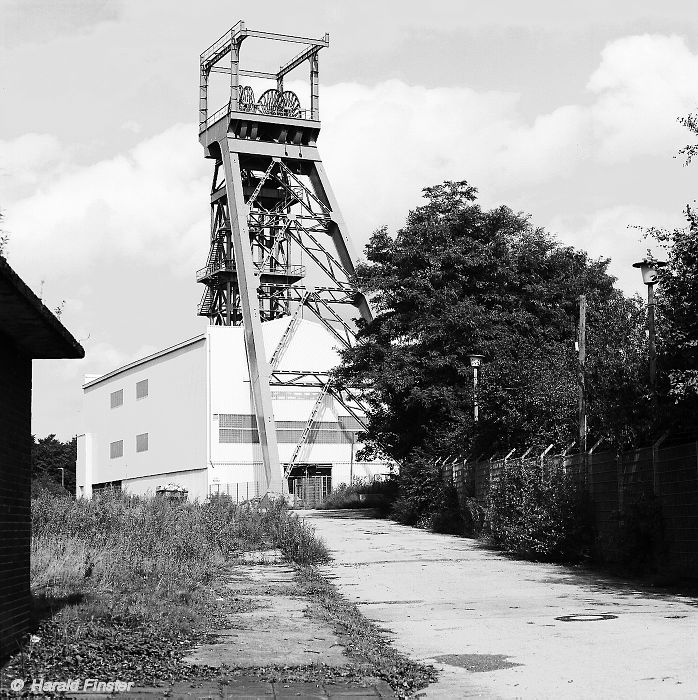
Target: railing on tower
275,102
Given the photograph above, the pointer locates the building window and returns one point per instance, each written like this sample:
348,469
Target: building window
116,449
142,389
142,442
117,398
238,428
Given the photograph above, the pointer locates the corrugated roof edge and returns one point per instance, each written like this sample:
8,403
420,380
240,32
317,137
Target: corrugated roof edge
71,348
143,360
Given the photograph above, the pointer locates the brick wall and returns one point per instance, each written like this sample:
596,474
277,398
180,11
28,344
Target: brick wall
15,490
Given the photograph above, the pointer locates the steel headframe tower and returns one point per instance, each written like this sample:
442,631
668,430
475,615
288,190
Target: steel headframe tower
274,222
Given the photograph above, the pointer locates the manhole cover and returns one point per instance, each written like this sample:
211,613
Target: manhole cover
586,618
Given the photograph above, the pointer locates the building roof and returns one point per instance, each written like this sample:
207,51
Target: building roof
136,363
33,328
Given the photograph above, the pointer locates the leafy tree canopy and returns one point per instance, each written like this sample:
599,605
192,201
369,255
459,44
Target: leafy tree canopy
458,279
677,321
49,455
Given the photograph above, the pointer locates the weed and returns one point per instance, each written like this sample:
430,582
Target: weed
364,642
138,575
538,515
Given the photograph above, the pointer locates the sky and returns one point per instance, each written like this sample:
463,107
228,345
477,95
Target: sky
565,111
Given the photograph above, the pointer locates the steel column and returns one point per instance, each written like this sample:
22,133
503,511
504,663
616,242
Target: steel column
248,280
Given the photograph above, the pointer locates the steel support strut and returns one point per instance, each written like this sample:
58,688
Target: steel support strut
254,340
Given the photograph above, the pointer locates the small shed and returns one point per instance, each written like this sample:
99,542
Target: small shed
28,331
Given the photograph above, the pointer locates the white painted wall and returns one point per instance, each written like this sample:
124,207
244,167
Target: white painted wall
311,348
189,388
194,481
173,414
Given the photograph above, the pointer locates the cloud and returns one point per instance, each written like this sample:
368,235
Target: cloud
25,161
642,85
382,144
148,205
617,232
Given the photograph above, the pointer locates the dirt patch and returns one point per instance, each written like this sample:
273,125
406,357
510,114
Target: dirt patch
477,663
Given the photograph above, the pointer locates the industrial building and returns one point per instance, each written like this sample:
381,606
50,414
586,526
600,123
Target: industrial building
184,416
249,406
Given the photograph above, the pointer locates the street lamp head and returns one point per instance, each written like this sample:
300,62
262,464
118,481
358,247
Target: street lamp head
475,360
649,270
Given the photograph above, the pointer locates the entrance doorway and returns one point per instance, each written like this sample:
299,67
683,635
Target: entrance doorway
310,483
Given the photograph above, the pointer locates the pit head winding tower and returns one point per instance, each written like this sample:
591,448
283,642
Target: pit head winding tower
279,244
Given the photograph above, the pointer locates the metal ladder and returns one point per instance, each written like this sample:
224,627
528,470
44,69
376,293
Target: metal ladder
307,429
288,334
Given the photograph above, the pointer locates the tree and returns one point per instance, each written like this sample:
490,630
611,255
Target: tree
4,240
49,456
677,314
677,322
690,150
458,279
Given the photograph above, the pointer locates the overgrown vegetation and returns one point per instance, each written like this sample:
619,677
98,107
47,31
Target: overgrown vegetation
538,513
532,514
129,582
363,494
53,465
456,280
459,279
425,499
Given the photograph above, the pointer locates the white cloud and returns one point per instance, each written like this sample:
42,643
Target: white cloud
643,84
617,232
25,161
148,204
381,144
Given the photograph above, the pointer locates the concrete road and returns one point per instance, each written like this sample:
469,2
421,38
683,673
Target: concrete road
496,628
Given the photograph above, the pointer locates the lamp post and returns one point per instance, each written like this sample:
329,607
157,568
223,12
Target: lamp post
475,363
649,277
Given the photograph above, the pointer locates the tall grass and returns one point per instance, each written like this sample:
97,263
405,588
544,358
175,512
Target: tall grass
141,575
134,554
115,539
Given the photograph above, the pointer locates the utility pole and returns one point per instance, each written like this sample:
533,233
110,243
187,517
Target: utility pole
581,358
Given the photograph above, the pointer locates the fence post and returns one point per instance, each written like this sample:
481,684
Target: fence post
524,455
564,454
619,479
542,458
655,456
589,458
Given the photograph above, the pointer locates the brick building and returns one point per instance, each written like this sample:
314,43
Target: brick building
28,331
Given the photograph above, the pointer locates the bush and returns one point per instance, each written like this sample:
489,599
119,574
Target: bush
538,514
381,495
426,500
